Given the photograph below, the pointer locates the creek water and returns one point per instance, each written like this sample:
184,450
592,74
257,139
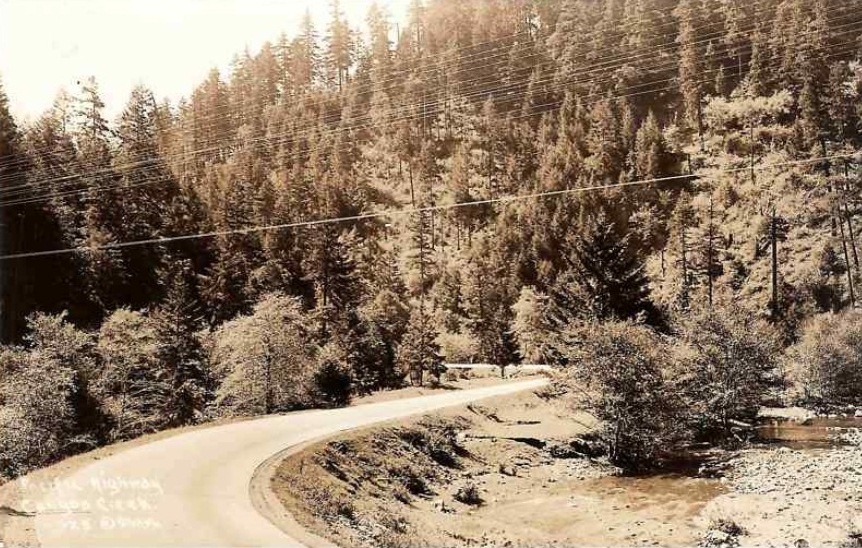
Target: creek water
814,433
685,489
667,508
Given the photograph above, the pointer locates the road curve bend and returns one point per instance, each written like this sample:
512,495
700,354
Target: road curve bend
193,489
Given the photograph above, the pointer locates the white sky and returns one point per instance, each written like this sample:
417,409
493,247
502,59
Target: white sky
168,45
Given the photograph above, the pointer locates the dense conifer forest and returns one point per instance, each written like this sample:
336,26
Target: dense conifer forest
348,208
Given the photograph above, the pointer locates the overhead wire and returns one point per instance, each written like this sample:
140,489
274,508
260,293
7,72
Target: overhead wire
602,66
646,84
406,211
601,97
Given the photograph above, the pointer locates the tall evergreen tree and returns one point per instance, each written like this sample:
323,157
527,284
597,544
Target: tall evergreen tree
179,351
605,279
339,53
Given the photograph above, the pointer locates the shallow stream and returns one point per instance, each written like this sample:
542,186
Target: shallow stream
814,433
685,489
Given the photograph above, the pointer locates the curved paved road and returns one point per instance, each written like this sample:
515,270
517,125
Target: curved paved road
193,489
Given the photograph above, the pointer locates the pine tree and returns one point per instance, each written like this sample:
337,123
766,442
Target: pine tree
759,77
605,270
708,248
787,35
562,164
734,15
839,104
489,294
652,157
380,46
419,352
56,221
179,351
331,269
682,222
52,149
532,326
211,128
107,270
305,69
608,38
266,76
575,20
690,72
383,324
26,285
604,142
339,54
147,186
12,176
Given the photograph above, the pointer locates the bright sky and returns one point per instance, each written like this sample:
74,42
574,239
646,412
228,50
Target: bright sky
168,45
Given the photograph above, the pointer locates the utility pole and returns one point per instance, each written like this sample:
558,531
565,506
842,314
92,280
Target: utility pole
774,237
412,191
684,260
710,249
751,152
837,210
491,166
827,171
418,375
849,218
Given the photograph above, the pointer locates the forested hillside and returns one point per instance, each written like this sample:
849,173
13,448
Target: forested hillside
349,206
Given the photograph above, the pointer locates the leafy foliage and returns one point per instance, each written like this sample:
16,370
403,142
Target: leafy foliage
265,360
739,183
727,364
617,374
826,361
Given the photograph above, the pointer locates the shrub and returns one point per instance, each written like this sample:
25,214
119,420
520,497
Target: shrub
727,364
435,439
412,480
469,494
37,416
329,504
46,409
132,385
722,533
616,375
458,347
332,379
826,364
52,339
265,361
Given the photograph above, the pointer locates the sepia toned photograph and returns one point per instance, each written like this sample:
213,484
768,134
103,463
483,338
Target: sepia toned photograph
431,273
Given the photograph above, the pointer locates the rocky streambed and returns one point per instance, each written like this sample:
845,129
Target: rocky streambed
803,491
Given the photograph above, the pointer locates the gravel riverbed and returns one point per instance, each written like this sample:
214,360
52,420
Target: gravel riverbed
788,497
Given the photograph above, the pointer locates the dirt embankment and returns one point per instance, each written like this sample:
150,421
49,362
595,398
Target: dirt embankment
497,474
502,474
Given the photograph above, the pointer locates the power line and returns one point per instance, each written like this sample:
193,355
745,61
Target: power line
20,198
293,134
622,59
61,194
402,212
600,97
